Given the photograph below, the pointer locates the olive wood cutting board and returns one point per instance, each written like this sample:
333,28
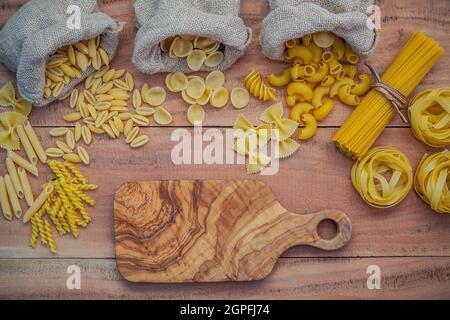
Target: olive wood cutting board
210,230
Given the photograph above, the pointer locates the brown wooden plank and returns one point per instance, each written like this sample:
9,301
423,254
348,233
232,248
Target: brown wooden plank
400,19
314,179
401,278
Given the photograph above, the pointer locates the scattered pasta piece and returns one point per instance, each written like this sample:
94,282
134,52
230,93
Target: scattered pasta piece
219,97
214,59
8,124
196,88
431,181
429,114
274,115
215,79
155,96
240,98
8,99
196,114
162,116
258,88
383,177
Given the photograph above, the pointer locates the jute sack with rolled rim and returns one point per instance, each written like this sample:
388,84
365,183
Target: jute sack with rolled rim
160,19
291,19
38,29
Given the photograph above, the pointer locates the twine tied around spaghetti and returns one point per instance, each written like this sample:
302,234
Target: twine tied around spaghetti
397,99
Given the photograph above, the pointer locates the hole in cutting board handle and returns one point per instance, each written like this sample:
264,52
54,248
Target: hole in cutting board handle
327,229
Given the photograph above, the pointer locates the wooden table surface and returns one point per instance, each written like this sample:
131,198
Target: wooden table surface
409,243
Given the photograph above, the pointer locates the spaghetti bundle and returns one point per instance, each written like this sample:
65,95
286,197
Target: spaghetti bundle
369,119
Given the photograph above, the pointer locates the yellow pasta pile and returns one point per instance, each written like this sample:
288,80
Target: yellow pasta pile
102,107
383,177
70,61
197,50
323,65
432,181
368,121
429,114
199,92
250,140
61,202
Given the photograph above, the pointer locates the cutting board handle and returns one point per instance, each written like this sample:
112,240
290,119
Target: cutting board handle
307,226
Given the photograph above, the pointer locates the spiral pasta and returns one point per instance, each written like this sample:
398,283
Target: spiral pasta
432,181
258,88
429,114
370,177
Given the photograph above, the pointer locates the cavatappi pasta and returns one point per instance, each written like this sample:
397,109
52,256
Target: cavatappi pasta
69,62
373,114
252,142
383,177
429,113
323,67
198,51
431,181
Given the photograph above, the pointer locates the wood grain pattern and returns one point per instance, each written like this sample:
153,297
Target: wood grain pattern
315,179
292,278
210,230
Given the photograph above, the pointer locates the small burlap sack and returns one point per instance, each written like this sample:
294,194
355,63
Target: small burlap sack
160,19
290,19
38,28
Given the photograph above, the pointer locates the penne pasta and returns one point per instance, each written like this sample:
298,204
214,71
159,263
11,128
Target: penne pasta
21,162
28,193
13,197
14,177
26,144
4,199
34,140
37,204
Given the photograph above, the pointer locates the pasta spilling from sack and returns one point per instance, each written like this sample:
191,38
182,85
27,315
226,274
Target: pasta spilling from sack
383,177
69,62
432,181
253,142
323,67
429,114
370,118
198,51
198,92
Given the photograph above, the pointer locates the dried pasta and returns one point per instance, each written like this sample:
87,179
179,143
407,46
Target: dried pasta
274,115
13,199
8,99
4,200
34,140
258,88
21,162
367,122
431,181
219,97
8,124
14,178
196,114
25,183
429,113
383,177
197,50
240,98
162,116
70,62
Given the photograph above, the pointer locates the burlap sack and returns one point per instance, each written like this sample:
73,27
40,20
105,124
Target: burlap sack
161,19
39,28
290,19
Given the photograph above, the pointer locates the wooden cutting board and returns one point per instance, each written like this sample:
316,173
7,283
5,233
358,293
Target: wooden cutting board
209,231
